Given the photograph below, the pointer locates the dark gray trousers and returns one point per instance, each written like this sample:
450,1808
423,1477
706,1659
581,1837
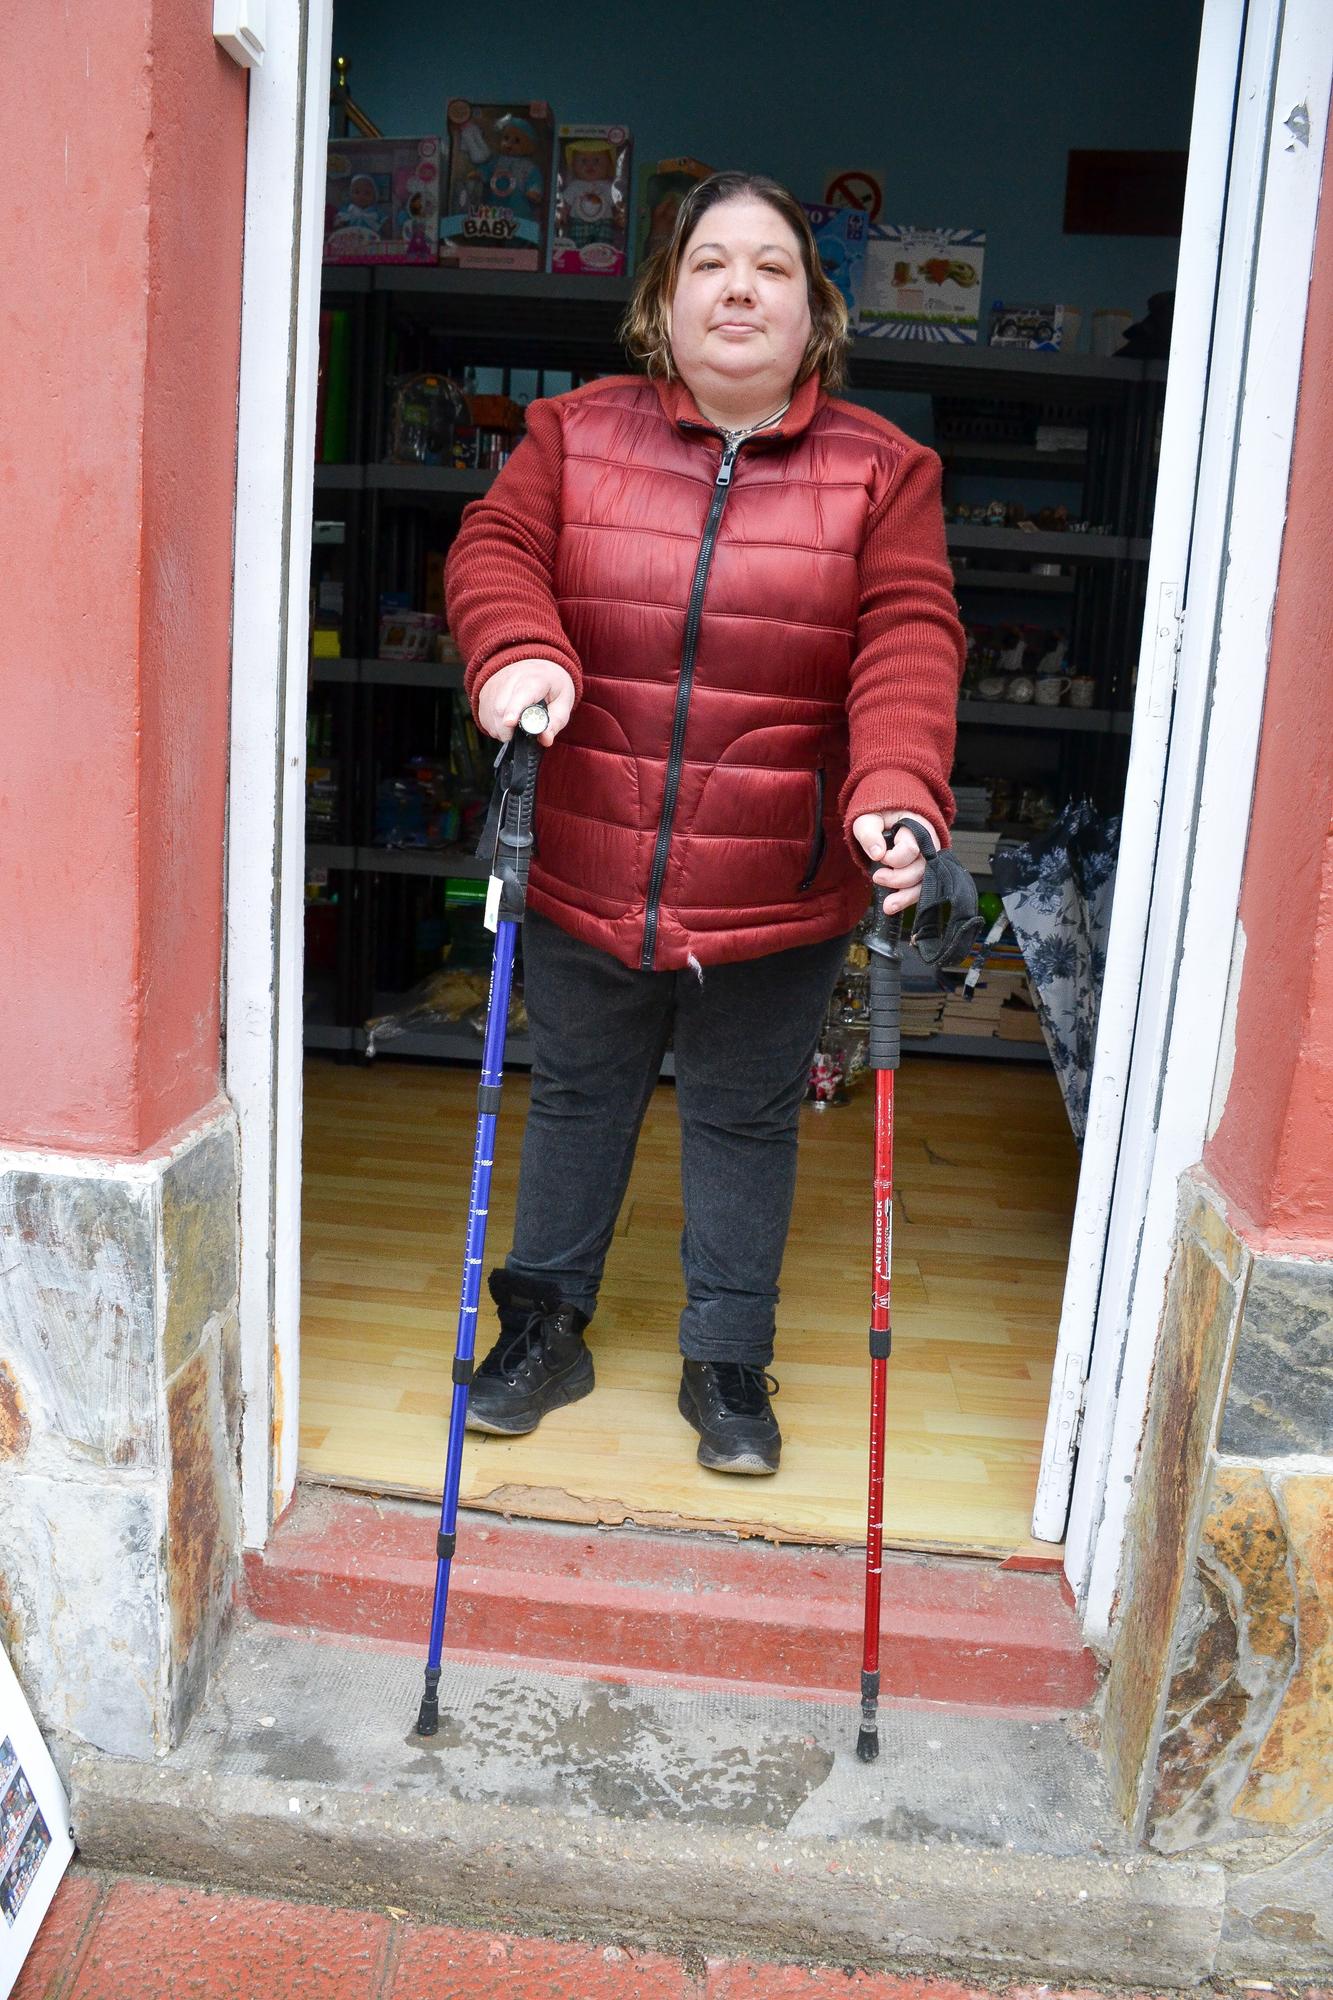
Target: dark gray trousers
744,1036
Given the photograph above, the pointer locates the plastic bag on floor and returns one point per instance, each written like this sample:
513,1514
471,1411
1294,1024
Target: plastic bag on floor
443,999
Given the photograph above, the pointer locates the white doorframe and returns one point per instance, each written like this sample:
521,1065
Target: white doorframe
1245,465
1169,977
285,154
1197,279
1216,711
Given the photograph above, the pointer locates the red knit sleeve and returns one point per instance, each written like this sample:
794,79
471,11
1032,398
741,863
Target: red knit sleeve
902,703
499,579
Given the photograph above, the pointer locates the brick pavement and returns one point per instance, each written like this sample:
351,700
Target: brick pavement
113,1938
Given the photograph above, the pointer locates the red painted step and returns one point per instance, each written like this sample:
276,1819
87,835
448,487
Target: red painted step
623,1604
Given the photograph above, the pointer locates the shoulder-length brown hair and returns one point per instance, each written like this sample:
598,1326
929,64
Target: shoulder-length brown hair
646,329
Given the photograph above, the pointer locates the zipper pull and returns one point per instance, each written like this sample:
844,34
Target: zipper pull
725,468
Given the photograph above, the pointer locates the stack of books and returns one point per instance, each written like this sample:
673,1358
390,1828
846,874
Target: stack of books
923,997
973,803
921,1015
973,850
1019,1020
999,1004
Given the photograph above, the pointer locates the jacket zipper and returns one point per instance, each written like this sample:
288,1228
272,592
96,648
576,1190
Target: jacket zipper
675,758
818,844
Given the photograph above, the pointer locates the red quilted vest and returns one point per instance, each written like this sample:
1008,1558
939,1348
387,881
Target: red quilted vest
690,810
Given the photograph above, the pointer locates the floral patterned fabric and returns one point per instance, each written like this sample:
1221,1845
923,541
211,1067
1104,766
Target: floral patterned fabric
1057,893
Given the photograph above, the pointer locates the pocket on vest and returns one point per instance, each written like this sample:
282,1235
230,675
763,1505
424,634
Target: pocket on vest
759,832
588,813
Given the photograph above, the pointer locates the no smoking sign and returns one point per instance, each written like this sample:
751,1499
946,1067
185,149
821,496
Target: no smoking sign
856,187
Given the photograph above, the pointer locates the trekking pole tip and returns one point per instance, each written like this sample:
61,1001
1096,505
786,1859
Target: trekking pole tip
867,1742
428,1715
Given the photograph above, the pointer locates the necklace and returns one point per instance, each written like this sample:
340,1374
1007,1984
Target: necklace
748,430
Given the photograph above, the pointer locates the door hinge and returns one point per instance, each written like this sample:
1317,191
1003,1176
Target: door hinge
1168,632
1077,1431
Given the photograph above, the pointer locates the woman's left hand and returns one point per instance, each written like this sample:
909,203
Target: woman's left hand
904,869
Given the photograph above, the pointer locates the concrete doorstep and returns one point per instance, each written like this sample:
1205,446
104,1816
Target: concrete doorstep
675,1819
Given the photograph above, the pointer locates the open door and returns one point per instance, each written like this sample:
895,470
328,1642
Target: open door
1221,55
1250,208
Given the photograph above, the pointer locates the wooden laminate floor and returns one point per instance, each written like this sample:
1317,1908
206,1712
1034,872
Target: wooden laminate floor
985,1170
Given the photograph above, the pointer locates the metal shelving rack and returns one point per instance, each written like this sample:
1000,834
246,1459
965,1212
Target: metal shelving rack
518,320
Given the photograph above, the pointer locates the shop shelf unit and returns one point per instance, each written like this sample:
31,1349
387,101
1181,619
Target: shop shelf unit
567,328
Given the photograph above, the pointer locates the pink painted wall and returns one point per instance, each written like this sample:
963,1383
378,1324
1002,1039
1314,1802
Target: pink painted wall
116,495
1272,1153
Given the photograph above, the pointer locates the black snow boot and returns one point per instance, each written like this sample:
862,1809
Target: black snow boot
727,1403
539,1363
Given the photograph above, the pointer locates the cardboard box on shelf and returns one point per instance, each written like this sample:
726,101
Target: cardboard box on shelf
660,195
382,201
498,202
840,237
592,184
1048,329
435,561
922,284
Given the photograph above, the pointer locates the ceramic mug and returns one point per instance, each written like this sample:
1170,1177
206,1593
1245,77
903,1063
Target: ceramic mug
1050,688
1021,688
1082,691
991,688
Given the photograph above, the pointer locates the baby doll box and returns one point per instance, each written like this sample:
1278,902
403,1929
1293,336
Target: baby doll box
660,198
922,284
592,182
382,201
498,200
841,236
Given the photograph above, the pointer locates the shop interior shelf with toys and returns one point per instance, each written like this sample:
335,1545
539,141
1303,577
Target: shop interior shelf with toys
426,373
481,244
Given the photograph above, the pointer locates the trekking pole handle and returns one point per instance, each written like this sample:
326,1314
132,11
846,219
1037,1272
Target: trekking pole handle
884,943
886,992
514,836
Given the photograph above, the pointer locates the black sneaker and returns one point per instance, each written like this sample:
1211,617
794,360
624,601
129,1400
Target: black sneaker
539,1363
727,1403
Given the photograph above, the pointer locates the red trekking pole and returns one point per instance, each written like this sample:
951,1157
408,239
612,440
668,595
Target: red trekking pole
938,940
883,1057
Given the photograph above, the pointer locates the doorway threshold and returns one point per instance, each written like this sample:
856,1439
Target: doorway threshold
715,1822
635,1605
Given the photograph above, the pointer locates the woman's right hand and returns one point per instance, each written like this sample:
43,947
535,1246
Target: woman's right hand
506,694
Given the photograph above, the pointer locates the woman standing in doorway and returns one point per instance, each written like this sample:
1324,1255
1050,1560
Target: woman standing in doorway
731,591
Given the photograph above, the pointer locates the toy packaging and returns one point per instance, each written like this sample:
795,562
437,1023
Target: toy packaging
425,413
382,201
499,192
840,236
660,200
922,284
1049,329
592,200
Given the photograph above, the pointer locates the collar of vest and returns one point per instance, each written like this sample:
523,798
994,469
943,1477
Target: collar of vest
682,409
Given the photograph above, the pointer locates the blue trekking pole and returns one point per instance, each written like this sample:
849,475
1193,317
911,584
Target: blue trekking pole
507,840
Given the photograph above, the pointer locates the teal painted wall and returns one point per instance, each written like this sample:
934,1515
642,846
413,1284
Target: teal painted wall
968,109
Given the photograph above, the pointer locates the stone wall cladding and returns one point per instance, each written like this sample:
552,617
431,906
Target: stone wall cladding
1219,1718
1205,1290
1281,1394
119,1424
77,1310
1245,1770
